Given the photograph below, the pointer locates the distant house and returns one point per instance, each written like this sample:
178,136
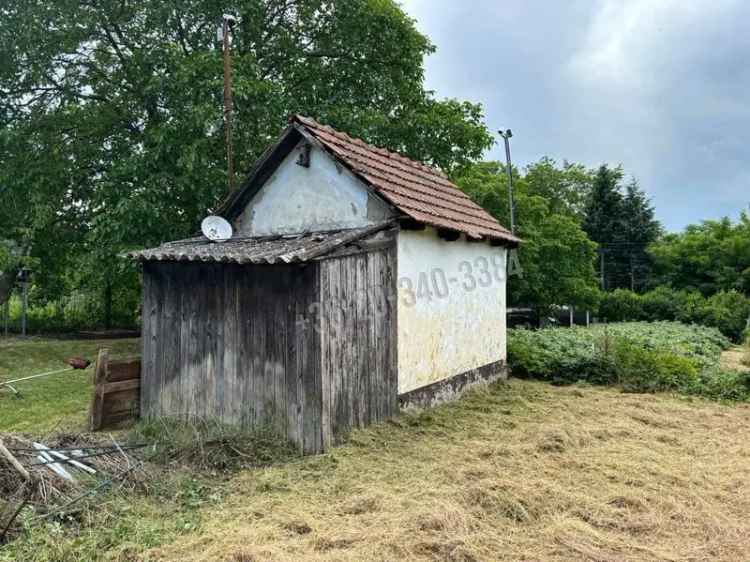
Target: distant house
356,281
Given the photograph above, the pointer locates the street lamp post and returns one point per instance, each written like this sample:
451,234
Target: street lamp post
507,134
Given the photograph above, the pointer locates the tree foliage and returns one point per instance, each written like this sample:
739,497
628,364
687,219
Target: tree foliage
556,256
622,222
111,112
707,257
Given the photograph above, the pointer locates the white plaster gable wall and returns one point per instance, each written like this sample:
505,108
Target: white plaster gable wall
323,196
451,307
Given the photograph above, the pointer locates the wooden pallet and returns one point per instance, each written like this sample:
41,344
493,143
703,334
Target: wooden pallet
117,391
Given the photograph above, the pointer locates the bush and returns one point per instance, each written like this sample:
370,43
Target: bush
721,384
639,356
621,305
728,311
79,310
664,303
644,370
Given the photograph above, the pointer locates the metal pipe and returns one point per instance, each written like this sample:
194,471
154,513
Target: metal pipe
227,23
508,168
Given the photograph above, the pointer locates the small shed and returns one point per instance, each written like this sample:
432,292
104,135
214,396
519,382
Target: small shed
357,282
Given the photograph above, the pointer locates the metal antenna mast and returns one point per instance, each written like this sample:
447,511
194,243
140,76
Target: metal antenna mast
227,24
507,134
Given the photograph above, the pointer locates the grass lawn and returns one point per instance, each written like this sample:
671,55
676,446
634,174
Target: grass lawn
57,402
516,471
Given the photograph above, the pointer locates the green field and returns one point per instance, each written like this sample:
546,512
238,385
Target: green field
57,402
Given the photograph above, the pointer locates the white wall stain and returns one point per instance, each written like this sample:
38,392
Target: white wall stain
324,196
444,333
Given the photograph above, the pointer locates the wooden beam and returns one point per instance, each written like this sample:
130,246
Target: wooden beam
6,454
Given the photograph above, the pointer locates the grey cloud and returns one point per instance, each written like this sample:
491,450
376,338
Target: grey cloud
660,87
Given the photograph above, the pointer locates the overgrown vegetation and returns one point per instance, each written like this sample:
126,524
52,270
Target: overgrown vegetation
75,311
639,357
709,257
209,444
728,311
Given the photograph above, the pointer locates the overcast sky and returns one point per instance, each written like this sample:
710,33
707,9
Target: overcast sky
661,86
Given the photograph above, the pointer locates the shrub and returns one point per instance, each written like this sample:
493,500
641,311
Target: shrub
664,303
721,384
645,370
639,356
621,305
75,311
729,312
559,355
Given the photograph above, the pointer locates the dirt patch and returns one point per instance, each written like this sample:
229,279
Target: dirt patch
736,359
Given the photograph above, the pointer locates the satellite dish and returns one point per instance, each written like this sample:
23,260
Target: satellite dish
216,229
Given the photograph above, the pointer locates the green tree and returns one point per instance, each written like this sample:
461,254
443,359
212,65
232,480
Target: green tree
623,225
556,256
641,230
603,222
567,187
709,257
112,132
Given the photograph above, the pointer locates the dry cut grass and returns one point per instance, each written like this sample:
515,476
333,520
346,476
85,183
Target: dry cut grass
736,358
521,471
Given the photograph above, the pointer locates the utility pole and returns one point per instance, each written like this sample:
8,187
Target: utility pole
227,24
507,134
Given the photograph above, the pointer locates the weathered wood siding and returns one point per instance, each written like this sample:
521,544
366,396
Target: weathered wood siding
235,343
358,346
308,349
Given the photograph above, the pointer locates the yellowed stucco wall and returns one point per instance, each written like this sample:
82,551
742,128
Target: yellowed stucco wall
451,307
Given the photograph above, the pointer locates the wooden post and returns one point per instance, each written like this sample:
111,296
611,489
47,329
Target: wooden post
571,313
14,462
100,375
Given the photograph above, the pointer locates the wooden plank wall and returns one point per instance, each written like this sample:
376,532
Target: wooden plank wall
358,345
308,349
232,342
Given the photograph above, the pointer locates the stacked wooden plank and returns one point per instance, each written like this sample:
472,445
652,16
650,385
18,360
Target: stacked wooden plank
117,391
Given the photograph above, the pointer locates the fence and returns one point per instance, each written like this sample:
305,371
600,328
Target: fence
82,310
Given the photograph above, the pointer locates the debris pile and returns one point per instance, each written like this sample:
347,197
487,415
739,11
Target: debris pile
54,477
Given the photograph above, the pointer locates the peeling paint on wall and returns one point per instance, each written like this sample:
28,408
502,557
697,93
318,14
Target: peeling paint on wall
323,196
451,307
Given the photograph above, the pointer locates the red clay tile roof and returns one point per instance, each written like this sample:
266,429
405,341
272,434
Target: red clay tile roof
421,192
